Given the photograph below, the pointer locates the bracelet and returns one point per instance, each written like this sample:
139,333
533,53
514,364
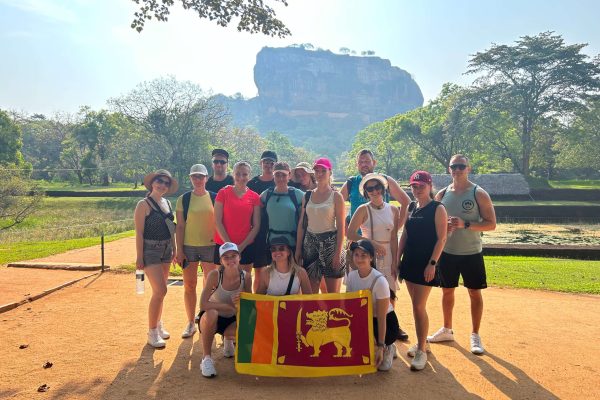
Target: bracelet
380,345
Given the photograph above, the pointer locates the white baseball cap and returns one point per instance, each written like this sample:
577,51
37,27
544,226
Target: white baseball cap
227,246
198,169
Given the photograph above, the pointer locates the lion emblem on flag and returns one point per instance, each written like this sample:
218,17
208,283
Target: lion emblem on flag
320,333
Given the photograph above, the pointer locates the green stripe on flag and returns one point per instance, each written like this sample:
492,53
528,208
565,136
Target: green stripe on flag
246,326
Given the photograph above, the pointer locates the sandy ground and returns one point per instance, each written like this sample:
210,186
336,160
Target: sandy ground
540,345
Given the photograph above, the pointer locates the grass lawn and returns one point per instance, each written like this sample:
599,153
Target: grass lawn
576,184
11,252
574,276
71,186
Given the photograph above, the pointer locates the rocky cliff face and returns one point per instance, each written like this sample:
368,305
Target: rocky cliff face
315,95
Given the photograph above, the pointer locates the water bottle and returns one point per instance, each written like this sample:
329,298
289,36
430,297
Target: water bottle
139,281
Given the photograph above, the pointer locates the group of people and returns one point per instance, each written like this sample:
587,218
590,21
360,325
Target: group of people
289,225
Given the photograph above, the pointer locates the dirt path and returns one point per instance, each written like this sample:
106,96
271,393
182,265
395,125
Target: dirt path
540,345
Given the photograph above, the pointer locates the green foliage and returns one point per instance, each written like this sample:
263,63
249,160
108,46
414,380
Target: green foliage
10,142
281,145
254,16
19,198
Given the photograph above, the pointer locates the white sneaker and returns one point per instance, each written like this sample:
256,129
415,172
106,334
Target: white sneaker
207,366
228,348
476,346
413,349
395,350
154,339
189,331
388,358
161,330
418,363
442,335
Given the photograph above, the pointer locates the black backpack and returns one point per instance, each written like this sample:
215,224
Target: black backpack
187,196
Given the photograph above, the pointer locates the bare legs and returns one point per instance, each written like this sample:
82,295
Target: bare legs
476,307
157,276
418,295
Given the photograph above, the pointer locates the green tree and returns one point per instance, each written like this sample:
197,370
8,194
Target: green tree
287,152
538,77
253,16
19,197
10,142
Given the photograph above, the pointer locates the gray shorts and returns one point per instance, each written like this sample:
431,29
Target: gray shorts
158,252
199,253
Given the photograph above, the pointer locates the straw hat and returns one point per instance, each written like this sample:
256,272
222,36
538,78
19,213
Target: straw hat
368,177
161,172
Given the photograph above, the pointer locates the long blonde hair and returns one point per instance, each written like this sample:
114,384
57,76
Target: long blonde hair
294,267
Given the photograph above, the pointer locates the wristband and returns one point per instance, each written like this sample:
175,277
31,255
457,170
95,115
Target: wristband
467,224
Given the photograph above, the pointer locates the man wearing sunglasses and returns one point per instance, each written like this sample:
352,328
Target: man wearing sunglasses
220,177
470,212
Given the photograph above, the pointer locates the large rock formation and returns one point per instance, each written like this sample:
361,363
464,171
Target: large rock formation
321,99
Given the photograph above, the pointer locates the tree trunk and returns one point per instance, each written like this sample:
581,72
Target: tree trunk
526,151
105,180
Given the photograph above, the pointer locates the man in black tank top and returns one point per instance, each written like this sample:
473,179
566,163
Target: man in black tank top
470,212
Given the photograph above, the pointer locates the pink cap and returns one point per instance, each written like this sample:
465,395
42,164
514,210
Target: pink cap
323,162
420,177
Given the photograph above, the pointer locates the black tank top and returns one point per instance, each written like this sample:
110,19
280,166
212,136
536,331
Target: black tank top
155,227
421,235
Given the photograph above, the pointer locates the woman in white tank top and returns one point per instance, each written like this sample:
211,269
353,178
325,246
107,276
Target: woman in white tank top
378,222
284,276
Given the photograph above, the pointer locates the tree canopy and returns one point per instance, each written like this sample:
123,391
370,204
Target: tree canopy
254,16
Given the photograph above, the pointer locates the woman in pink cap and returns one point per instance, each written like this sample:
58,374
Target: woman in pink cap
321,231
420,246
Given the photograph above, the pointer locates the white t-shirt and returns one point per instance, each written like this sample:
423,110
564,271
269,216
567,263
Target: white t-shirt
381,290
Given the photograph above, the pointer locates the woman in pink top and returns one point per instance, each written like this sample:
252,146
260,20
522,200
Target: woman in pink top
237,215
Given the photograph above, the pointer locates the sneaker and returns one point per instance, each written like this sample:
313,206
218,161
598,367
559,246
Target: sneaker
418,363
395,350
189,331
154,339
228,348
402,336
161,330
388,358
476,346
207,366
413,349
442,335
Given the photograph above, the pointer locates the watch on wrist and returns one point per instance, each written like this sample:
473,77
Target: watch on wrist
432,262
467,224
379,344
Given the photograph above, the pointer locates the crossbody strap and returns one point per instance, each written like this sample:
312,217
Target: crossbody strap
290,283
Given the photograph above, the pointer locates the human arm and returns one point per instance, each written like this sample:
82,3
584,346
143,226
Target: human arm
441,228
139,217
255,228
179,236
394,242
247,289
401,245
401,197
300,233
207,291
218,207
304,281
344,191
340,223
263,283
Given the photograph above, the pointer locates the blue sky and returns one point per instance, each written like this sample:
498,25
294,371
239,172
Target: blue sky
58,55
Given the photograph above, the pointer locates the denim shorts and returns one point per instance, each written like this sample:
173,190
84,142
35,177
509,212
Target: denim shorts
158,252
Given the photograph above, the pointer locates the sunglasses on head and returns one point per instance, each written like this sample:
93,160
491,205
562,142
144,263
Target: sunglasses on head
222,162
162,181
374,187
461,167
278,248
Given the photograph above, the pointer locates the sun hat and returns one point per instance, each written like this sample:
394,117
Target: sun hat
365,245
420,177
369,177
148,179
220,152
198,169
227,246
323,162
280,240
268,155
305,166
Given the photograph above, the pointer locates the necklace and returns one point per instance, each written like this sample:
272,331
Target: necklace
375,206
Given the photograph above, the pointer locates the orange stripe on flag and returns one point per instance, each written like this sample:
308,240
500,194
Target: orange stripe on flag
262,348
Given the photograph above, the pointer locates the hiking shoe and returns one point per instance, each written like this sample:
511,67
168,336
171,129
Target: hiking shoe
207,366
402,336
442,335
413,349
395,350
161,330
189,331
388,358
476,346
228,348
154,339
418,363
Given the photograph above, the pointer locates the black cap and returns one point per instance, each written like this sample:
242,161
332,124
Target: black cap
220,152
365,245
269,155
279,240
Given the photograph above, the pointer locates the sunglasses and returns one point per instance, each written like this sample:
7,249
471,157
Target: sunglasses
461,167
162,181
278,248
374,187
222,162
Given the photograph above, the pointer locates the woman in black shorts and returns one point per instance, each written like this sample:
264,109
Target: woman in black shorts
154,244
420,246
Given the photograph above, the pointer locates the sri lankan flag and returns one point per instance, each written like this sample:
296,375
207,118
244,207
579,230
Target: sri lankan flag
305,335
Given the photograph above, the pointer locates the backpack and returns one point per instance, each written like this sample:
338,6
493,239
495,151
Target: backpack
291,193
187,196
